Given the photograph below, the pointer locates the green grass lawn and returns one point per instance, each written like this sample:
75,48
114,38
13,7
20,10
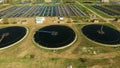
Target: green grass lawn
3,6
98,11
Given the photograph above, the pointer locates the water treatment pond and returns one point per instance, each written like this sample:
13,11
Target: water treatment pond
102,34
10,35
54,36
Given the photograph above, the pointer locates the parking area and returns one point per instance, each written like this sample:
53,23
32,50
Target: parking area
41,11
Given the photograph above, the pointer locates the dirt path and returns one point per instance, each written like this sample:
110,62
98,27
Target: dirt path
102,56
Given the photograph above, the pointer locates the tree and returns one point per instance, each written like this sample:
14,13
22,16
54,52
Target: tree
5,20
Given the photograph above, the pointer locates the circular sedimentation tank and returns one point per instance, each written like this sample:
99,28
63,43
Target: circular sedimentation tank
54,37
11,35
102,34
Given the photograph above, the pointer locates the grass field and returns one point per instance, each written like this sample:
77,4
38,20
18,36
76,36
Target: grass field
99,12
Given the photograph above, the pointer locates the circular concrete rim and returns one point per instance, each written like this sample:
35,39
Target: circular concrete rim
58,47
97,42
27,32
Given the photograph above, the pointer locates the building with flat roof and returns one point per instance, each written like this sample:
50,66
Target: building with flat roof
48,0
105,1
1,1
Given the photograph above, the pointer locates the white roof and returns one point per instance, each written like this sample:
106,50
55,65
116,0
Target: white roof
39,20
1,1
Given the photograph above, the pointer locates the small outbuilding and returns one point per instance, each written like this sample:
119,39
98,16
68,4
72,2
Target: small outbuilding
0,20
61,18
39,20
1,1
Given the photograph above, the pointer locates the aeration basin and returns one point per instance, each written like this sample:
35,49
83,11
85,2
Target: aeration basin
102,34
11,35
54,36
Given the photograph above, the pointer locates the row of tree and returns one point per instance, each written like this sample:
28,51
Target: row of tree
5,21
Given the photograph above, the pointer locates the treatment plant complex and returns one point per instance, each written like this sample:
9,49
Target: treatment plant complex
59,33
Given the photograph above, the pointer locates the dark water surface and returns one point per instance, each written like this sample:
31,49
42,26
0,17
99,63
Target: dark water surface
54,36
102,34
10,35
